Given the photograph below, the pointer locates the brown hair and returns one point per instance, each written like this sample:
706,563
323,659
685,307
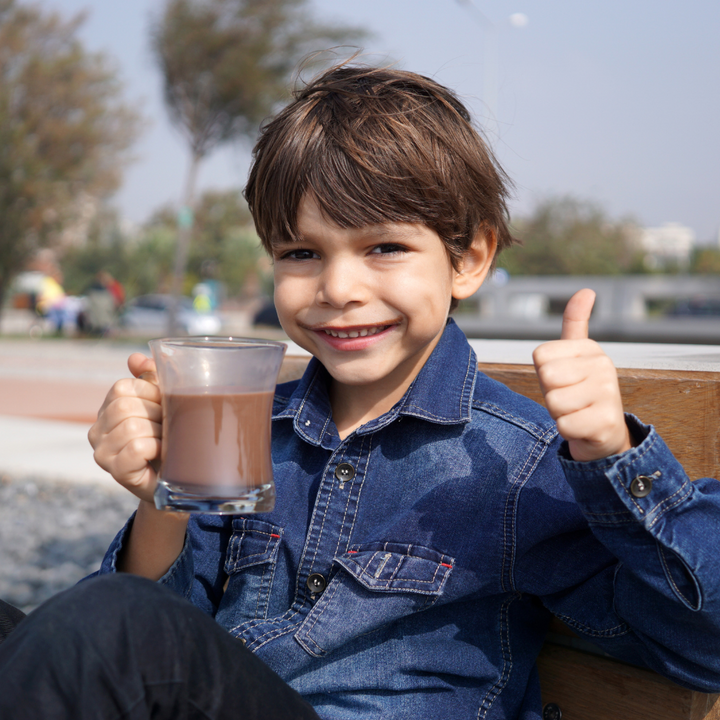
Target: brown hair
377,145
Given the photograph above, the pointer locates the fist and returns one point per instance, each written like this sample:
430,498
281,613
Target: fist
126,435
580,386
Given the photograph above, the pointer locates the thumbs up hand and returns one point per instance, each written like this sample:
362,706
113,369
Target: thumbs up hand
580,385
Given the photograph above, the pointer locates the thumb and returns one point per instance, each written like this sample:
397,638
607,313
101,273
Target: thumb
143,367
577,315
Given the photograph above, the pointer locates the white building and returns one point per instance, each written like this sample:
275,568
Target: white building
670,244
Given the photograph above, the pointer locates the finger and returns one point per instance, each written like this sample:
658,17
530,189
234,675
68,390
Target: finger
567,372
593,434
128,458
143,367
556,350
577,315
117,438
132,388
139,481
119,410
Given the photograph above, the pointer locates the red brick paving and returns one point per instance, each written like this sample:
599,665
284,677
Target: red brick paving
51,399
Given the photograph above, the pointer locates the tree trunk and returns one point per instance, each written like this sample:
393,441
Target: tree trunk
185,226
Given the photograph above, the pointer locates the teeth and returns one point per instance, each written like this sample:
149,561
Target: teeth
355,333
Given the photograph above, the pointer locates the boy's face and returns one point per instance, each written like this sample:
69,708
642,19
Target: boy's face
369,303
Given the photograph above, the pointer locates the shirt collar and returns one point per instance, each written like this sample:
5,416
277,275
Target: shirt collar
441,393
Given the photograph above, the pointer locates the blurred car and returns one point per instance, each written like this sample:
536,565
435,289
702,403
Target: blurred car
696,307
149,315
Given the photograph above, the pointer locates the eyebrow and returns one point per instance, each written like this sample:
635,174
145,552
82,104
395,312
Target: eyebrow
381,232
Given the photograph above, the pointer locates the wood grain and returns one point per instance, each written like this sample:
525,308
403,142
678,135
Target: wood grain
589,687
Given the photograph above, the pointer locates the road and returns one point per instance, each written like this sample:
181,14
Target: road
50,392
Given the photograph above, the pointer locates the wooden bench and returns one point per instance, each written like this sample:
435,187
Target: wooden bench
577,682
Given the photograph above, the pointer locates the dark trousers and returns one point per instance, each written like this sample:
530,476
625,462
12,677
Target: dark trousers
119,646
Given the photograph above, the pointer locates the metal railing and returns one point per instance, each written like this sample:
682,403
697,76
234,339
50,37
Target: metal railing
635,308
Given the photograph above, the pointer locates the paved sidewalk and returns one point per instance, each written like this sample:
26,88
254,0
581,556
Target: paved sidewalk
49,450
50,392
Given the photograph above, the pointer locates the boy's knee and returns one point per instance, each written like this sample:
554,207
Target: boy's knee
101,601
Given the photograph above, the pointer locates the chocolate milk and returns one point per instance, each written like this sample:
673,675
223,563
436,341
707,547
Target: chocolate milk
218,440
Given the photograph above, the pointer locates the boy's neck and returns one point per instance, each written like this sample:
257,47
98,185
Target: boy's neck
356,405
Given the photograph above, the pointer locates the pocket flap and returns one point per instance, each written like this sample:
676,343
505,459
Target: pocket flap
253,542
397,567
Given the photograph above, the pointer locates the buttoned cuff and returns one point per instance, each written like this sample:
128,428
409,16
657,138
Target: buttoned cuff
639,485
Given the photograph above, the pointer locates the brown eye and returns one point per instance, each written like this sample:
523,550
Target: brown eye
299,254
388,249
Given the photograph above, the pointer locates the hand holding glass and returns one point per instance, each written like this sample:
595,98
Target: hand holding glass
217,396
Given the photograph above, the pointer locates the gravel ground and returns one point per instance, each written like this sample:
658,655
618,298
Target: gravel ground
53,534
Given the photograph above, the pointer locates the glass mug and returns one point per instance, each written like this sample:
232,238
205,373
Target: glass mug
217,396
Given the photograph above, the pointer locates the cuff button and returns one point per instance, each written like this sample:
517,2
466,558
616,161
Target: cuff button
641,486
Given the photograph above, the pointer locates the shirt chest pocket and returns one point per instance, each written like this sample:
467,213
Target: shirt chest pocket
250,565
375,585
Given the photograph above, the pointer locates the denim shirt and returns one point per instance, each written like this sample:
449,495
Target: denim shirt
411,569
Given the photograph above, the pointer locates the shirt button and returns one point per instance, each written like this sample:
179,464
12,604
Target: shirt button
641,486
316,583
344,472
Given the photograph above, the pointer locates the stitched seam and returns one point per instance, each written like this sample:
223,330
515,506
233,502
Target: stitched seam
274,623
621,464
587,630
506,521
506,649
670,507
669,497
271,567
254,646
425,413
303,402
360,487
237,544
669,576
322,605
547,435
467,391
328,502
382,565
365,573
350,496
611,523
516,487
260,592
312,523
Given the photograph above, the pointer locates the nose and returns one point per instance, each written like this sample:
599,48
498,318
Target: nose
342,282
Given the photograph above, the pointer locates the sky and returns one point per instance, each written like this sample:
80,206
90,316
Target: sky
616,102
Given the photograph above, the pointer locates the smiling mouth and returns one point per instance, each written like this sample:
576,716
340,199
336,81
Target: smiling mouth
361,332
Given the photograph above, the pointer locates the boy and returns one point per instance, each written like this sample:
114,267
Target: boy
429,521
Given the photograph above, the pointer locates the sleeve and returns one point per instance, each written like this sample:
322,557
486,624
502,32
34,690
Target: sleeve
198,572
644,582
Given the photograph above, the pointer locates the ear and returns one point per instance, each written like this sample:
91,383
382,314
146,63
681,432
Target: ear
475,264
